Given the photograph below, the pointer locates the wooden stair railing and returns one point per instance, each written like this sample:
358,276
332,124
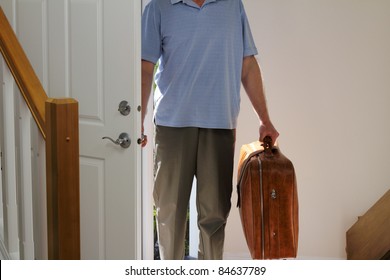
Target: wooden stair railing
369,237
57,120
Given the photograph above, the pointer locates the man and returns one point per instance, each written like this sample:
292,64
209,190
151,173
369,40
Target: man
205,50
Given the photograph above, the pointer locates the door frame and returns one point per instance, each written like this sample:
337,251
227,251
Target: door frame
147,179
147,189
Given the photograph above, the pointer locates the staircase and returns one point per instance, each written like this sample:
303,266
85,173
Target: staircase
39,191
369,237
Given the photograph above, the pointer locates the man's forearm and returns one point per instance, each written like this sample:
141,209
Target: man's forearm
146,79
253,84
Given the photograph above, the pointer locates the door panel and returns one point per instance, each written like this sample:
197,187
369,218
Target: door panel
86,58
92,194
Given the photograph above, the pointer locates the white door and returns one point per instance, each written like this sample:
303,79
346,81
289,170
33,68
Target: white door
94,57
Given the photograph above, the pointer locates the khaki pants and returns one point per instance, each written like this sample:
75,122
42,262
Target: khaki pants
181,154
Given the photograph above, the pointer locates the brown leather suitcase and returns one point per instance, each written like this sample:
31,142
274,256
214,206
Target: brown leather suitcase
268,201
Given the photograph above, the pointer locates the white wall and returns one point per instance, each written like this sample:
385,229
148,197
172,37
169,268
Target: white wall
326,69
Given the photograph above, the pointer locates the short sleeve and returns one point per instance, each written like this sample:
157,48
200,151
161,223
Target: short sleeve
151,35
249,43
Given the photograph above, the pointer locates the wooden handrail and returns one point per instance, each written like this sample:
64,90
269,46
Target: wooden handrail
23,73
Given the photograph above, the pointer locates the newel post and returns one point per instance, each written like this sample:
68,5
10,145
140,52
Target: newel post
63,178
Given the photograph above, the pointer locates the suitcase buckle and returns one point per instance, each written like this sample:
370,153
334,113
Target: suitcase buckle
273,194
267,144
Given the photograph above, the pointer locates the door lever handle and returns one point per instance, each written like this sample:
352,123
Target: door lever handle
123,140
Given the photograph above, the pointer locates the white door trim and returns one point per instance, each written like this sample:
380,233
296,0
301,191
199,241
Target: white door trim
147,180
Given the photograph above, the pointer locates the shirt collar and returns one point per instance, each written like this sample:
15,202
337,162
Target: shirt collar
177,1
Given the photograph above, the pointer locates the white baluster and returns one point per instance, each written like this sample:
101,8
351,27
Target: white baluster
26,190
1,153
39,194
11,234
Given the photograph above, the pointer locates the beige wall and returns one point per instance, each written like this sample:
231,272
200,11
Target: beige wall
326,69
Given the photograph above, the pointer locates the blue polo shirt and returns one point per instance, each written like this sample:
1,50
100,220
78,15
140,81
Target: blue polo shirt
200,52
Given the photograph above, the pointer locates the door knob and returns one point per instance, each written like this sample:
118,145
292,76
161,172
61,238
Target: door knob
124,108
123,140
